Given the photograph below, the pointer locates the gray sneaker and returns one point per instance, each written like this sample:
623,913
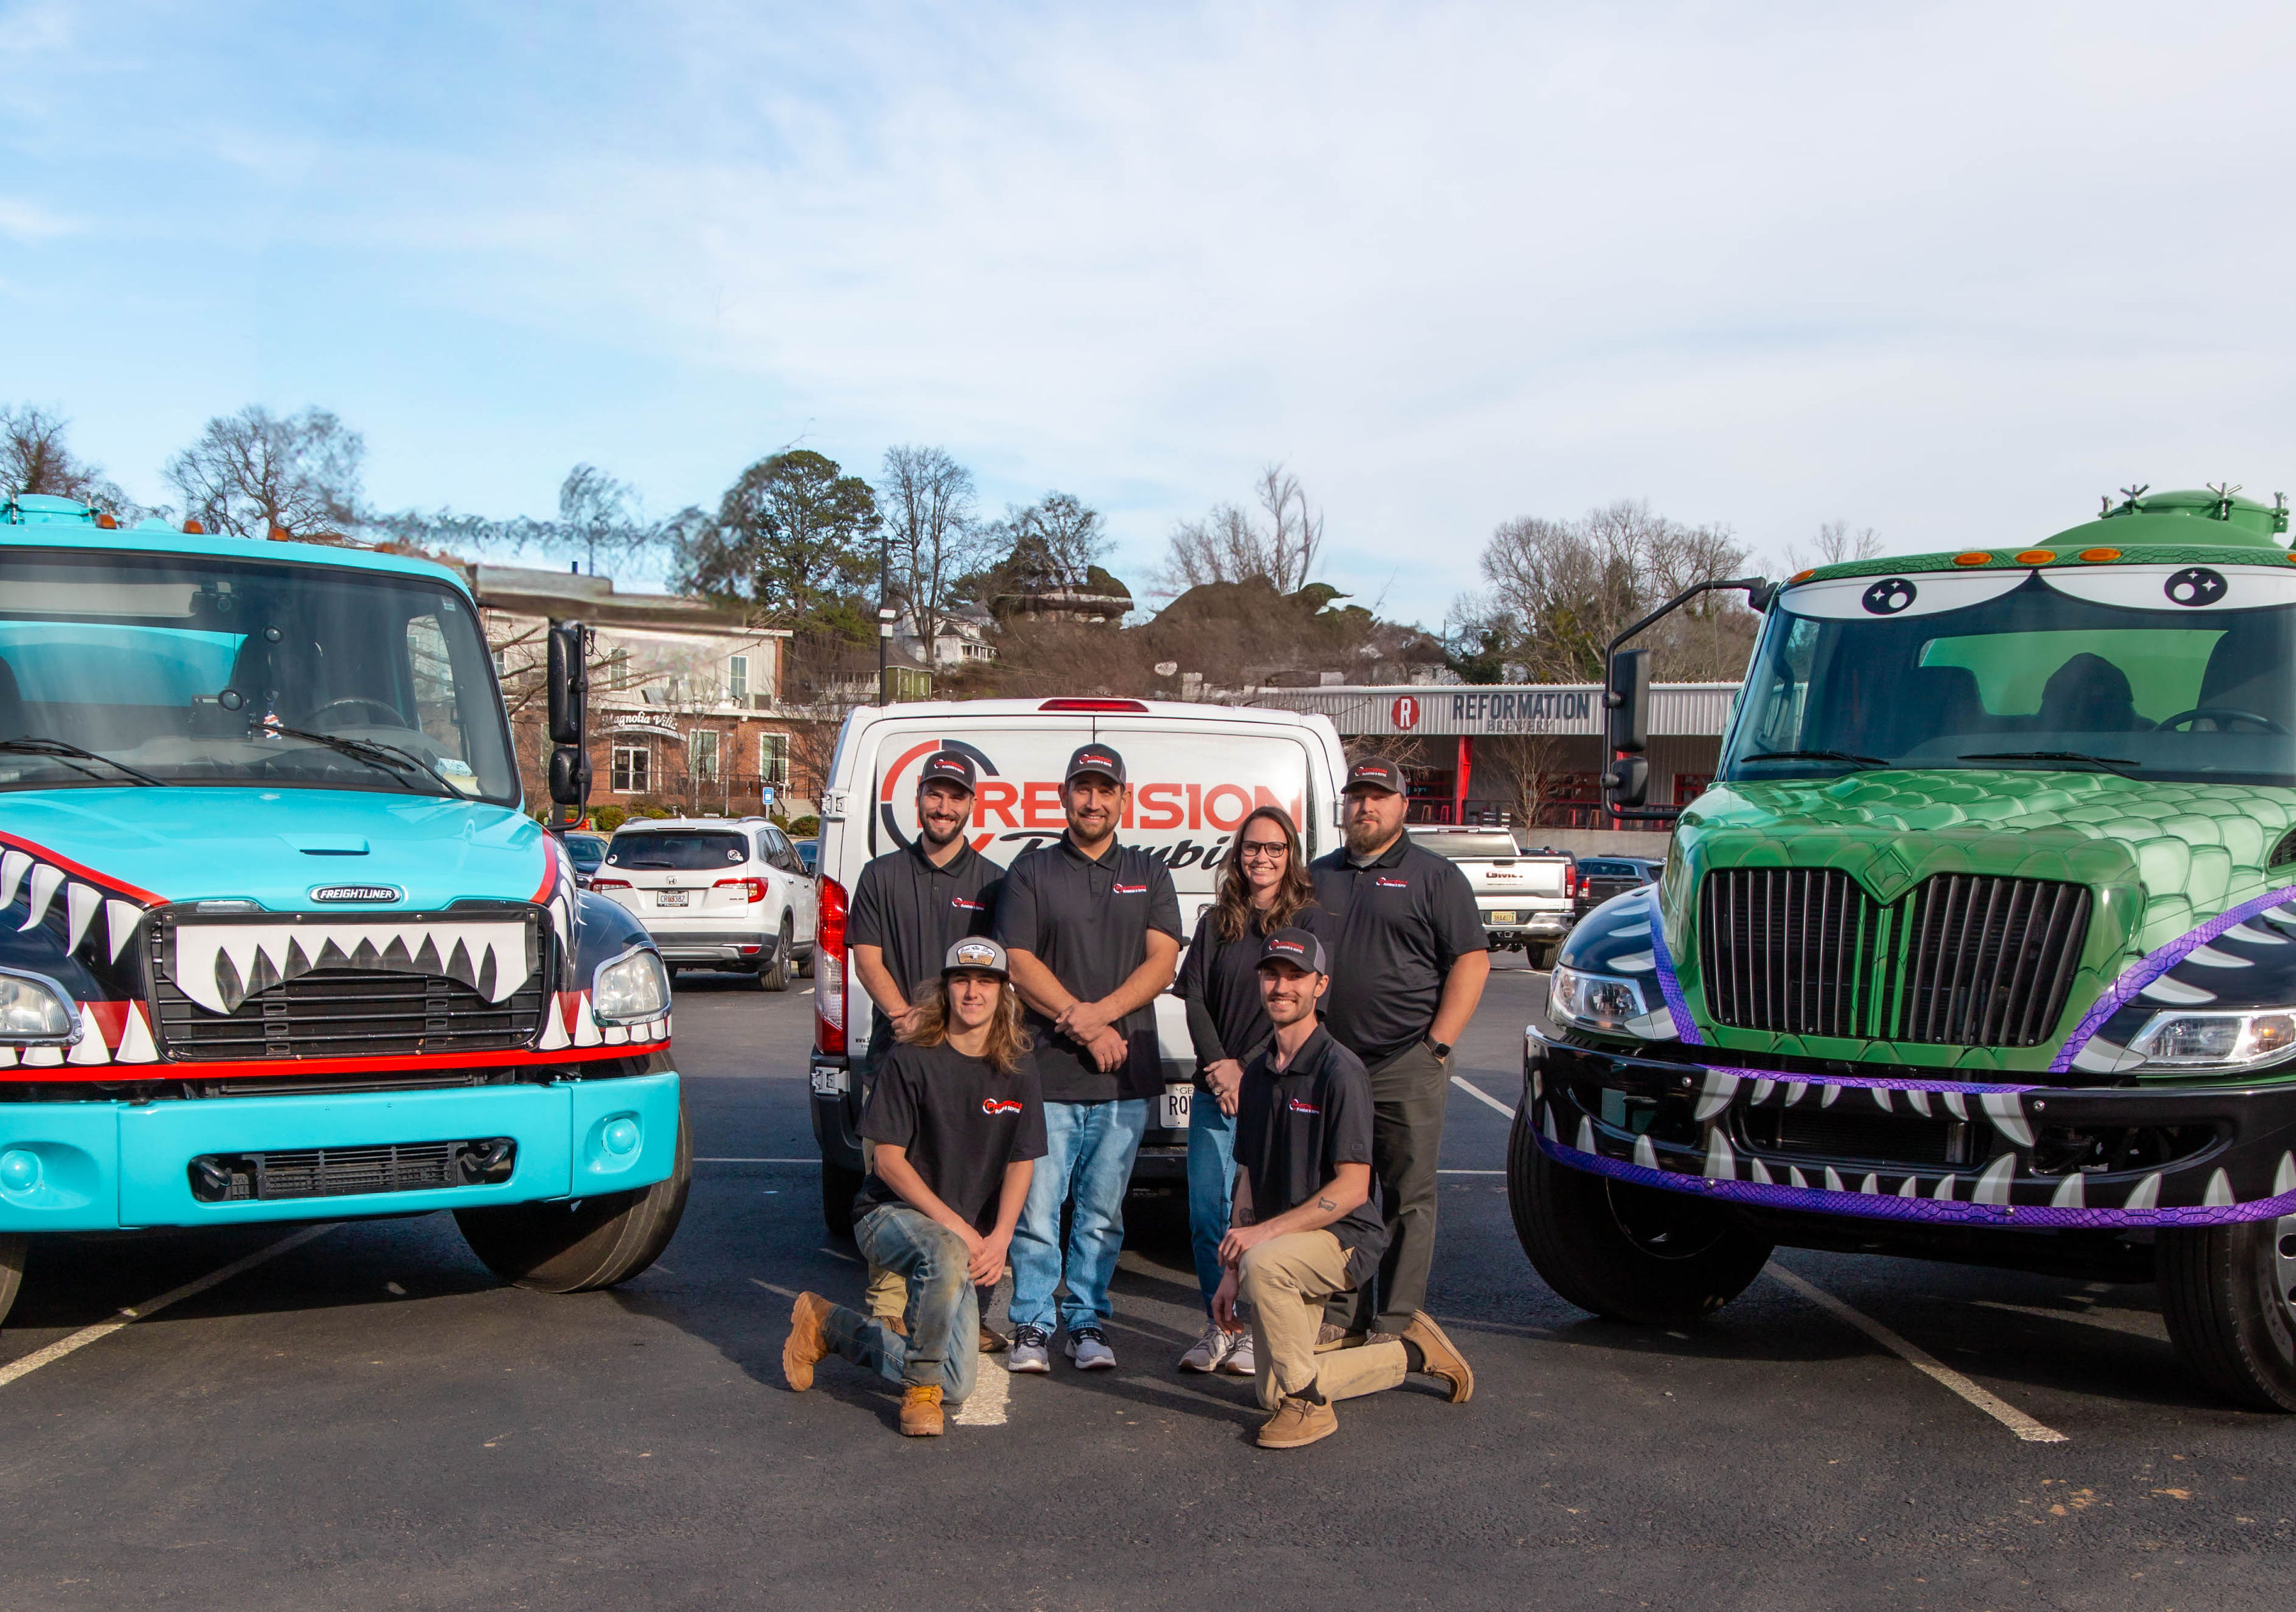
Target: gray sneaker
1030,1350
1208,1351
1090,1351
1242,1360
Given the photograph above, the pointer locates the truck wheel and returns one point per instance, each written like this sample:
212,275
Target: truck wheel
13,1245
2225,1294
805,963
591,1242
774,975
1540,957
1626,1253
839,1186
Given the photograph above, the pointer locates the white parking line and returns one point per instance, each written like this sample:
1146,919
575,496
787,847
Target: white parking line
1484,1097
803,1161
2008,1415
104,1328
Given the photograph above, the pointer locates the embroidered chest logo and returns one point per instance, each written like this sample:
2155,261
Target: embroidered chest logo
1298,1106
1385,883
967,903
1000,1105
1127,889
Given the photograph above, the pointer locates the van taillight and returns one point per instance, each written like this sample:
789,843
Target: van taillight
829,970
1092,705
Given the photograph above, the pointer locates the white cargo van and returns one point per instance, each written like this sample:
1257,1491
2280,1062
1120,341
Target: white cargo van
1197,772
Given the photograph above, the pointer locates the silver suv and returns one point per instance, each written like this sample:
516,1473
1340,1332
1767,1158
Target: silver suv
715,893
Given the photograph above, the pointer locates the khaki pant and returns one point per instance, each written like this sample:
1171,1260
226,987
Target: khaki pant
1286,1279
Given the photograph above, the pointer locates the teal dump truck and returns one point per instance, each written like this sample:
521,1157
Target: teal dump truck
278,941
1982,947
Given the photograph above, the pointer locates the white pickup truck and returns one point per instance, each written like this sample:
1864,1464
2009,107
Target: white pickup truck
1527,898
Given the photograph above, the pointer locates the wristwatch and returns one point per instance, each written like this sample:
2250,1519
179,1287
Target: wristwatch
1441,1049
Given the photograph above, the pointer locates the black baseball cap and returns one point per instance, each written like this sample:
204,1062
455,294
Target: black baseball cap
977,952
947,766
1097,759
1374,775
1298,947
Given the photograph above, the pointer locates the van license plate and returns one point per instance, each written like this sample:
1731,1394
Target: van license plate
1505,917
1175,1108
673,898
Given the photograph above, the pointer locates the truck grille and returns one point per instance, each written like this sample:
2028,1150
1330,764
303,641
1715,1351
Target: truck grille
405,1167
1869,1138
344,1013
1962,961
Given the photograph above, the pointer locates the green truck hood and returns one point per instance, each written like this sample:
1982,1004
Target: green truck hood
2161,858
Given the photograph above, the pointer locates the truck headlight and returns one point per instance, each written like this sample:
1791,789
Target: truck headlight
34,1009
2221,1040
632,987
1593,1002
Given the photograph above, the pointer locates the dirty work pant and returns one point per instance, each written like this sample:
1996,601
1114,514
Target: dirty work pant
1409,1092
1090,1147
943,1348
1212,1181
1286,1279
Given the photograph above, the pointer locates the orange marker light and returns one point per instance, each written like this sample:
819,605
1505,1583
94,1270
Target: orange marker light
106,523
193,528
2100,554
1806,575
2035,557
1972,559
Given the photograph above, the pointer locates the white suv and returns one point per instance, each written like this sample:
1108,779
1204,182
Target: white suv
715,893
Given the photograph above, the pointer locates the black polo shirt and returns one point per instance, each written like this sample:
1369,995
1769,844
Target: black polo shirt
1219,982
1402,919
959,1122
914,911
1088,922
1296,1126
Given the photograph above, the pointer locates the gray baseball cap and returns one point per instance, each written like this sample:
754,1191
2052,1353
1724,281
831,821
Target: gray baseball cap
979,954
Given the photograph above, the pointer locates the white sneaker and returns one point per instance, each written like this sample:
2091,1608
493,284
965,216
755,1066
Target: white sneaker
1208,1351
1239,1361
1029,1351
1090,1351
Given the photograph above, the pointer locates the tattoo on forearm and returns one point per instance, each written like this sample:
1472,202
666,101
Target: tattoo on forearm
1327,1206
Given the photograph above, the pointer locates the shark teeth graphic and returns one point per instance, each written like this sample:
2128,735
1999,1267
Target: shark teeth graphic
2219,1193
1758,1172
13,866
2072,1194
218,966
1956,1104
1881,1096
82,902
1918,1102
1943,1192
1798,1178
45,882
2177,993
1993,1185
2144,1195
2102,1056
2209,957
136,1045
1833,1183
1794,1090
553,1026
2283,1179
1833,1095
1721,1163
2254,937
1762,1090
1912,1189
2008,1116
1635,963
1719,1090
1645,1154
120,920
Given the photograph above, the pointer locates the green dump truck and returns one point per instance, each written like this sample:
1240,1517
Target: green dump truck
1982,947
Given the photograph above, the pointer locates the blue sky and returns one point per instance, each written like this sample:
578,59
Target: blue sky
1950,271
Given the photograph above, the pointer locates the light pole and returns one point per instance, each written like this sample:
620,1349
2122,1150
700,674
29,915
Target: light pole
884,612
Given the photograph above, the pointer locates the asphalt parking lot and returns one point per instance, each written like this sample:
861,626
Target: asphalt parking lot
366,1418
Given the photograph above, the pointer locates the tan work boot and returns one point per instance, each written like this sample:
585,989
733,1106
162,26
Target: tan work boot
897,1325
1298,1421
1442,1357
806,1342
921,1412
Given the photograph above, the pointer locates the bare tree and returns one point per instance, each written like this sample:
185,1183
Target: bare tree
34,459
254,473
1532,764
927,500
596,515
1059,535
1227,545
1834,544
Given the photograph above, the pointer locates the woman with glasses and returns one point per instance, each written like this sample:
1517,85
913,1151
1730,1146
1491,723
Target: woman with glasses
1264,887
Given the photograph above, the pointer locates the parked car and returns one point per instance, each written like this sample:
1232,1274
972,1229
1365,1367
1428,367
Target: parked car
1600,877
1527,898
809,852
715,893
585,851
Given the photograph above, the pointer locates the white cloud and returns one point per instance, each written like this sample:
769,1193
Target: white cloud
29,221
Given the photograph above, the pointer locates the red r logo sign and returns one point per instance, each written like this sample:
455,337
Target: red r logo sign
1406,712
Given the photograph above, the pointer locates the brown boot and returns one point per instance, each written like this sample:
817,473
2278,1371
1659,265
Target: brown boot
921,1412
806,1342
1298,1421
1442,1358
993,1343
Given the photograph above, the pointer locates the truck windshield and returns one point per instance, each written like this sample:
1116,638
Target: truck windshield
2190,675
191,670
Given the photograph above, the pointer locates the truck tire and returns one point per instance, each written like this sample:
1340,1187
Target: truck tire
1541,956
1624,1252
590,1242
13,1245
2224,1292
774,974
838,1187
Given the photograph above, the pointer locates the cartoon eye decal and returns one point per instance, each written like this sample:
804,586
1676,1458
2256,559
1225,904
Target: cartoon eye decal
1867,598
2195,585
1888,597
2191,588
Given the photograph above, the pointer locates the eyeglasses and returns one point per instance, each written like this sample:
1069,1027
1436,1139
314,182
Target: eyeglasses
1263,850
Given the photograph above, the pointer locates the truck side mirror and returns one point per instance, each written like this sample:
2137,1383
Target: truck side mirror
570,682
1627,781
1628,702
570,778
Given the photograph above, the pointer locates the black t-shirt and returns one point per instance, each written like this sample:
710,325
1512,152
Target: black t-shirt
1294,1128
1402,921
960,1123
914,911
1088,922
1219,982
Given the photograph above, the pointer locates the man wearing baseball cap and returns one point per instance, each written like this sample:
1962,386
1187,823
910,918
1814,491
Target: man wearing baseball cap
1411,958
957,1124
909,906
1304,1225
1094,930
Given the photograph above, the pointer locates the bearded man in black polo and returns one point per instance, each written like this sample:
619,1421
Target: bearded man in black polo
1305,1224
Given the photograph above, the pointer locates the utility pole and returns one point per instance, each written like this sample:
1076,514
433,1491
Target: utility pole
884,612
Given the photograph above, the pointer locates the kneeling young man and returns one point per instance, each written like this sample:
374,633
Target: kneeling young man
1304,1227
957,1124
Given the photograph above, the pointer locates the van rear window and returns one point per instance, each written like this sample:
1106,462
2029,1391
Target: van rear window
677,852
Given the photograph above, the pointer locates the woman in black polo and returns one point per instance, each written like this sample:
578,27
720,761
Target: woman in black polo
1264,887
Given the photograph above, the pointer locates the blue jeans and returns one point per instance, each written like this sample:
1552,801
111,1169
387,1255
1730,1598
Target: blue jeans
1211,1186
1090,1147
943,1348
